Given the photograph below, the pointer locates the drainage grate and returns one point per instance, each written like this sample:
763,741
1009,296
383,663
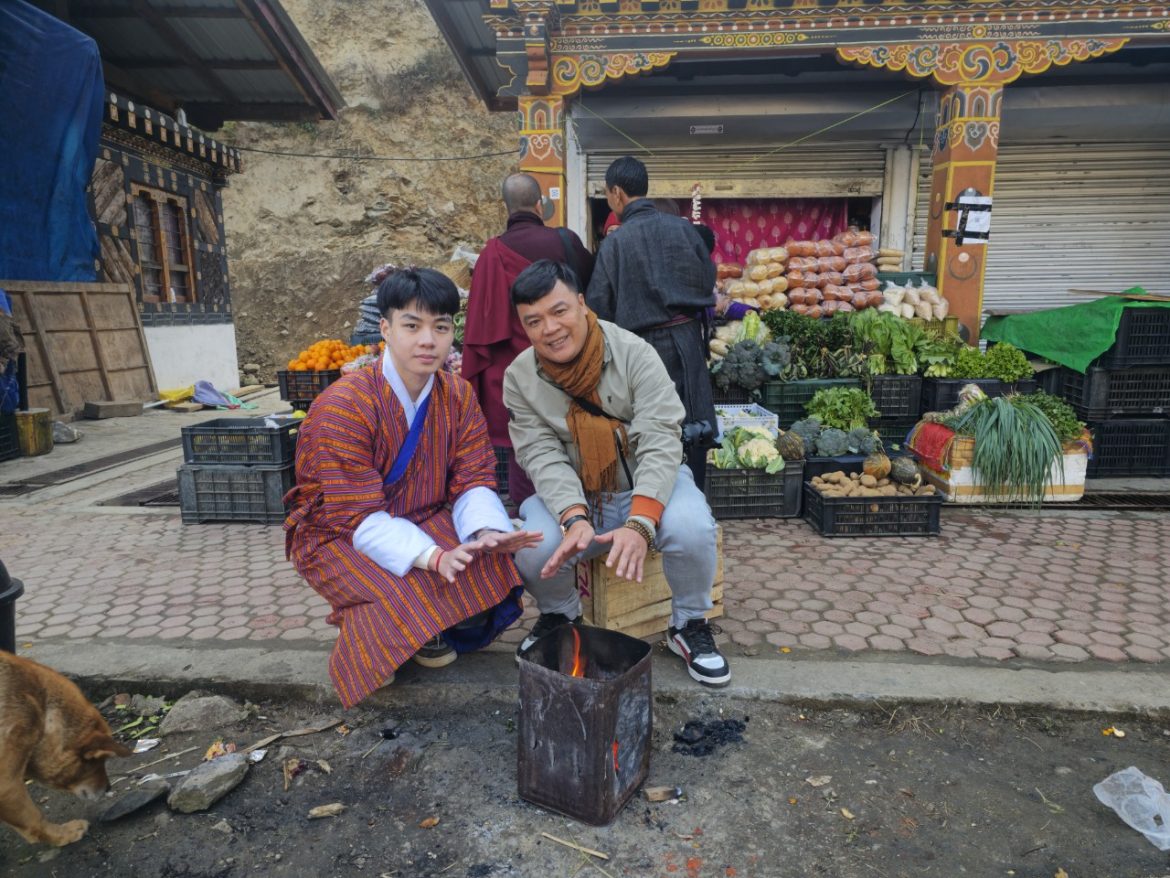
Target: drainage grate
160,494
1149,501
89,467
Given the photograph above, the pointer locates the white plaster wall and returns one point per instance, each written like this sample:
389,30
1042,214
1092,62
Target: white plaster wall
182,355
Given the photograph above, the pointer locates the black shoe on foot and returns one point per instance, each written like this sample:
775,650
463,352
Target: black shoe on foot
546,623
695,642
436,653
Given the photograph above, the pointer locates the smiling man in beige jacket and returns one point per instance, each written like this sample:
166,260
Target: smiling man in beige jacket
596,423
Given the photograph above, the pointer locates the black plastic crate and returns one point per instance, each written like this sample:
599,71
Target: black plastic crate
233,493
788,398
1143,339
730,396
242,441
893,432
1105,393
846,463
301,405
753,493
1051,380
941,394
872,516
897,396
304,385
1130,448
9,441
502,455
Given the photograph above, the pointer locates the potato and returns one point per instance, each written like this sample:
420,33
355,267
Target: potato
869,481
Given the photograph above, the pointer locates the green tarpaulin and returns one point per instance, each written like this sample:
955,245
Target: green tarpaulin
1073,336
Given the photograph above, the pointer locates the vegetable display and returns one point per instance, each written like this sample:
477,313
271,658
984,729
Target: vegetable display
840,484
747,448
1060,414
1002,361
845,408
748,365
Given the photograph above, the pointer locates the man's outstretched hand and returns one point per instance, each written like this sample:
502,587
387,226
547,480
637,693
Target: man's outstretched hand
577,540
627,553
494,541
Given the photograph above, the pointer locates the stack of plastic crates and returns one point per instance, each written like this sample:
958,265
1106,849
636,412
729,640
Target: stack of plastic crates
237,469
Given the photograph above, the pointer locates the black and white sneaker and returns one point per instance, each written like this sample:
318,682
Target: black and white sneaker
435,653
546,623
695,642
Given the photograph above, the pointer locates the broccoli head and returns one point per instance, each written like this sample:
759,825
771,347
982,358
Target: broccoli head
862,441
808,430
832,443
743,366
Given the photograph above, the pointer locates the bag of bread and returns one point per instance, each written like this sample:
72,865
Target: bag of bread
942,309
854,238
894,294
801,248
777,254
890,252
758,271
812,279
824,248
796,296
830,308
735,289
860,300
779,285
775,269
728,269
831,263
813,297
751,289
870,284
845,307
835,278
854,255
907,310
795,278
859,271
816,312
802,263
874,299
779,301
765,288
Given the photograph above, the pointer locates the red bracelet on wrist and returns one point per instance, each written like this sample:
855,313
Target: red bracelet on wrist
438,558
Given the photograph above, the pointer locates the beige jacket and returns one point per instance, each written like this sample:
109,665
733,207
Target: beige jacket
634,387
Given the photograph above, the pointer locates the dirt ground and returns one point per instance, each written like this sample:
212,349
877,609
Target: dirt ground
883,793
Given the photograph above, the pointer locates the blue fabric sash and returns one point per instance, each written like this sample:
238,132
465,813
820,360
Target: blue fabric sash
406,452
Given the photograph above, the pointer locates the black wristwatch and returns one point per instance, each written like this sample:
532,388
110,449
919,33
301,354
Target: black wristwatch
572,520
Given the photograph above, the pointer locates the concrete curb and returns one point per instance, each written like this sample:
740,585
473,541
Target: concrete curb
257,674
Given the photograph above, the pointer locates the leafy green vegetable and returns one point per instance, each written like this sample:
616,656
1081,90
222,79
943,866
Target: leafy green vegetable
1060,414
842,407
1015,447
1007,363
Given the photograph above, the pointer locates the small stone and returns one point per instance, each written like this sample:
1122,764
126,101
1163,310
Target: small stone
251,367
146,705
224,827
1063,770
308,315
208,783
197,712
135,800
64,434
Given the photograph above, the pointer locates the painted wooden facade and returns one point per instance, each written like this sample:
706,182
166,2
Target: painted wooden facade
155,197
971,51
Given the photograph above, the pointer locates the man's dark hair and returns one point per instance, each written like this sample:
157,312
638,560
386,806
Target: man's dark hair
520,191
708,236
537,280
630,174
434,292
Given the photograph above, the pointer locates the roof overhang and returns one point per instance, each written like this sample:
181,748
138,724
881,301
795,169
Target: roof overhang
217,60
461,22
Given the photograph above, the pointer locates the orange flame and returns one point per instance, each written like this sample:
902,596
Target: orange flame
578,669
615,753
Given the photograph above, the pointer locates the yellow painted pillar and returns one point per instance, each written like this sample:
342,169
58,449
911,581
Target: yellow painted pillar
542,148
965,148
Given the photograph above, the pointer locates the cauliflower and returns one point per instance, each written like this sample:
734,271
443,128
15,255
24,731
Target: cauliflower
832,443
760,453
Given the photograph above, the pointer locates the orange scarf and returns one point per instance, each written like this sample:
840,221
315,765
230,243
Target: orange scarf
592,434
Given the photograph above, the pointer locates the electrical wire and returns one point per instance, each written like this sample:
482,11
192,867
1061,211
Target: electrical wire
373,158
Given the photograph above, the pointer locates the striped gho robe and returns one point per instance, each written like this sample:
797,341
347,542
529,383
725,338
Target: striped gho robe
345,447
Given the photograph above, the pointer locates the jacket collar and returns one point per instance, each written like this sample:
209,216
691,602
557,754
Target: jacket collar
524,218
638,207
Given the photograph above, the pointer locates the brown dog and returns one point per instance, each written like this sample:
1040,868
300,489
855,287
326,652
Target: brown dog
53,735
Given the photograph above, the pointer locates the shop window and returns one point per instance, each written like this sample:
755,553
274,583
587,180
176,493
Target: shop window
164,246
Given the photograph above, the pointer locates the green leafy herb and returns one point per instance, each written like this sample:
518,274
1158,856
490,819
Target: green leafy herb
1060,414
842,407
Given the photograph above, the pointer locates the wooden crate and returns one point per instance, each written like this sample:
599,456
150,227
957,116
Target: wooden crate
639,609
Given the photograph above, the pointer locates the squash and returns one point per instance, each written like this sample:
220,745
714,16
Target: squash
905,471
877,465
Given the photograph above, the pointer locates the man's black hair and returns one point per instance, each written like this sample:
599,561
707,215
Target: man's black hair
708,236
537,281
630,174
433,291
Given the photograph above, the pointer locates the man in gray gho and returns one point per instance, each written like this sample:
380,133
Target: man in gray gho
654,277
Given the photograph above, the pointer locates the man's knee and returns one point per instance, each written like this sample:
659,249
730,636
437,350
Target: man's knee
530,561
687,526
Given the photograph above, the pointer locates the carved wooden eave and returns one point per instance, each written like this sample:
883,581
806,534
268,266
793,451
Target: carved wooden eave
594,42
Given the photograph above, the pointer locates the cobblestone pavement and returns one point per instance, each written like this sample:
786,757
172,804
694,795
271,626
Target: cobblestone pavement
1058,586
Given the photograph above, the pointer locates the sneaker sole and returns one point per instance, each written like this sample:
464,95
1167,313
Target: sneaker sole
437,662
710,682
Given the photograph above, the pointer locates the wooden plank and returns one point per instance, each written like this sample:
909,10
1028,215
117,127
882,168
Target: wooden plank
97,347
46,286
47,362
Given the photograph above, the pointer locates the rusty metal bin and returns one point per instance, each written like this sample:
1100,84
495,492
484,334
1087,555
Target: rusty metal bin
584,742
10,591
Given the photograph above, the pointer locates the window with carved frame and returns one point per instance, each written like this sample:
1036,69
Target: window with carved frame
164,245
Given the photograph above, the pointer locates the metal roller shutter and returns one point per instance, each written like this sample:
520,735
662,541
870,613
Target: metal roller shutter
830,170
1085,216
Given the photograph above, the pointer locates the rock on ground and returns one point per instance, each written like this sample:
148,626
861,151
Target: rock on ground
197,712
208,783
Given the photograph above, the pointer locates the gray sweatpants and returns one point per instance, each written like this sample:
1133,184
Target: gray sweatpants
686,539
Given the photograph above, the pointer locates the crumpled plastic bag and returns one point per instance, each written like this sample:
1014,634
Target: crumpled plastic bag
1140,801
177,395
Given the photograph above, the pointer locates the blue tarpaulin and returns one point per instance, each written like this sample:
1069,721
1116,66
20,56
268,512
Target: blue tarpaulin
51,94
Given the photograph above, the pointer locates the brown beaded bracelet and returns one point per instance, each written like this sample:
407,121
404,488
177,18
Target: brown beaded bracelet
642,531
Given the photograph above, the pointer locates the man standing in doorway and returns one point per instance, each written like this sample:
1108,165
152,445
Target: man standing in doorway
654,277
493,335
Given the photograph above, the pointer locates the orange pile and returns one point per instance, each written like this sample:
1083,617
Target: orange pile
328,354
